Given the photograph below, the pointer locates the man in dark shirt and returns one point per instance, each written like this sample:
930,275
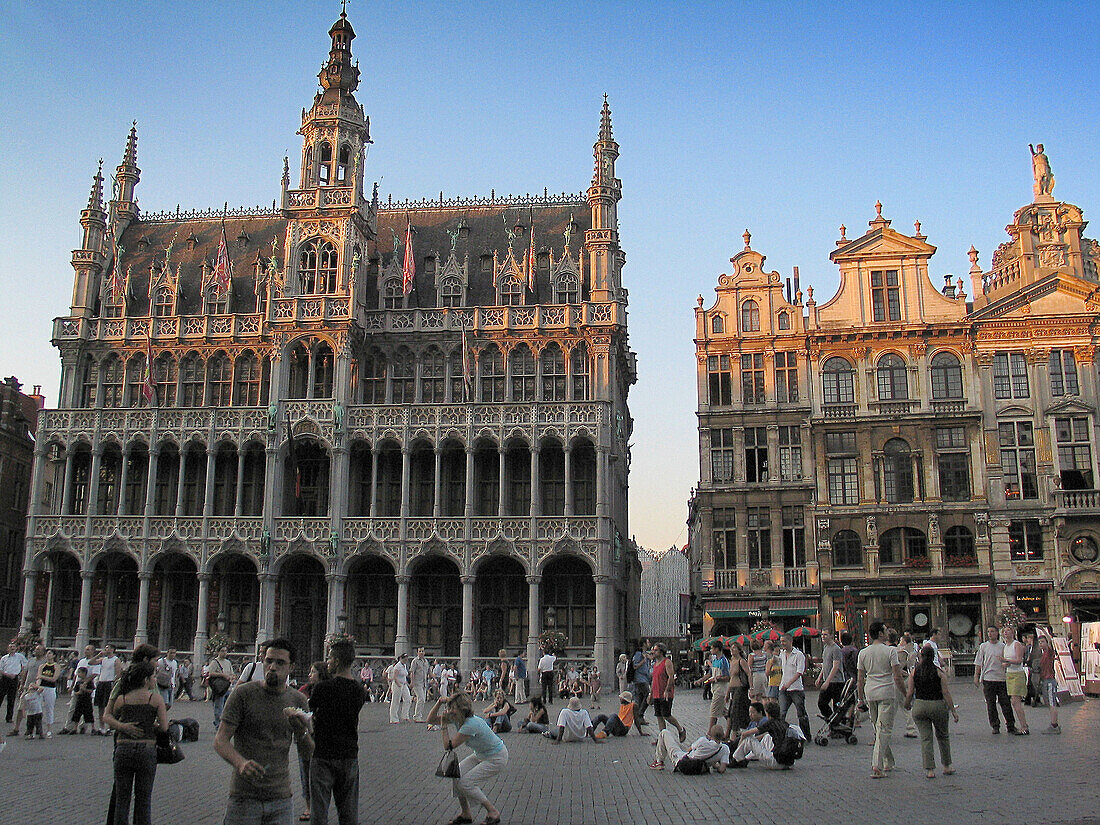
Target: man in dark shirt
334,769
761,737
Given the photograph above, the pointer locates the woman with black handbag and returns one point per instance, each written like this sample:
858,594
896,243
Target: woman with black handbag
138,713
489,755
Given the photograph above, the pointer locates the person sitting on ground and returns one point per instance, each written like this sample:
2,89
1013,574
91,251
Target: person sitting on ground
714,753
620,723
759,739
538,720
499,714
574,724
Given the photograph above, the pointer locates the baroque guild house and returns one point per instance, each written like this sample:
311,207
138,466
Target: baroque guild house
901,450
406,421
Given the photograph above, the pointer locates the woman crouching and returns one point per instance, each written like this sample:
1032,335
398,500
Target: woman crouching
489,755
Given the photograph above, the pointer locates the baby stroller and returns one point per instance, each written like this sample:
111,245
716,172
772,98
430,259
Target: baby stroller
841,724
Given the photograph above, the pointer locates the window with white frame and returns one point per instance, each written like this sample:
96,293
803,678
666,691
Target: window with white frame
790,453
1074,452
759,535
842,467
953,461
1010,375
1063,373
947,379
756,455
786,377
1017,443
838,382
885,295
752,378
1025,540
893,379
721,455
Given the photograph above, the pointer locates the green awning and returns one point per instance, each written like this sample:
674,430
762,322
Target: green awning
746,614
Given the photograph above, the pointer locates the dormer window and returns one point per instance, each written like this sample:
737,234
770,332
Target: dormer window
885,295
511,291
217,300
450,292
164,303
750,316
784,320
718,324
568,289
392,296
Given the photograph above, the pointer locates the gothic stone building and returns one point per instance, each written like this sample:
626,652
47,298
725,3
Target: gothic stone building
328,448
18,413
900,451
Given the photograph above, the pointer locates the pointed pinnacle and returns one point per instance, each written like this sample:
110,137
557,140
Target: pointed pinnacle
605,121
95,197
129,157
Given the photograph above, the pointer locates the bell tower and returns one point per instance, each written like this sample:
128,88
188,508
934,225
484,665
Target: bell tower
601,242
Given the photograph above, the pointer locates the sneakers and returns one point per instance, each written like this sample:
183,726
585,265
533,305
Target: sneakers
1053,729
656,765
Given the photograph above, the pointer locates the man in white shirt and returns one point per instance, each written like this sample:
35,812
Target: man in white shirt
400,698
791,690
109,665
880,679
11,668
89,661
669,750
934,640
989,672
546,676
574,724
418,676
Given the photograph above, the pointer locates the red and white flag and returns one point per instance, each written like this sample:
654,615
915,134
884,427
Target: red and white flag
531,257
409,269
148,388
223,267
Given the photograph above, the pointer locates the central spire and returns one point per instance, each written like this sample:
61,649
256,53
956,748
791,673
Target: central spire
339,76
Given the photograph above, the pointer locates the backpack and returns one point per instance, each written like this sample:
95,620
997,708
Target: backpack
789,749
690,766
164,674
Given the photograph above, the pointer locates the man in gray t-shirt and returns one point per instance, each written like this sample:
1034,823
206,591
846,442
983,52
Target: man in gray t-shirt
258,724
831,678
989,672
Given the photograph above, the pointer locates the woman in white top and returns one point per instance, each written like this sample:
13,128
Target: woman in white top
1015,676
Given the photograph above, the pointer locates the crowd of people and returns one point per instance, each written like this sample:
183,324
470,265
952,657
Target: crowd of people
259,713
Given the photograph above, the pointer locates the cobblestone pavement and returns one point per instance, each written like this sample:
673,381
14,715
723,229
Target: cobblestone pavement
1001,779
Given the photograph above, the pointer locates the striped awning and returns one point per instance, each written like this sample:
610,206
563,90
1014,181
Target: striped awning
745,608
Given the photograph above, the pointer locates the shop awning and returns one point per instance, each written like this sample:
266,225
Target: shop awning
746,608
947,589
860,592
1033,585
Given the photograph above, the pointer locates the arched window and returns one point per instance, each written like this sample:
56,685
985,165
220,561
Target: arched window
164,302
522,363
958,546
323,364
219,373
847,549
249,380
342,164
317,267
897,466
568,289
578,368
135,381
112,382
461,378
373,372
298,380
718,324
450,292
491,374
552,362
511,291
216,301
893,382
165,376
750,316
90,382
784,320
947,379
431,376
404,376
838,382
191,380
324,165
902,544
392,295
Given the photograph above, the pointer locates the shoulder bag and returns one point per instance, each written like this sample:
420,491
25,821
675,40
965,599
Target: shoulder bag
448,765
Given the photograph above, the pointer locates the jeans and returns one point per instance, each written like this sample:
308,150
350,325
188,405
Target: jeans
641,700
9,687
997,694
135,770
338,778
612,725
929,715
502,724
533,727
166,695
244,811
882,718
219,706
303,774
798,699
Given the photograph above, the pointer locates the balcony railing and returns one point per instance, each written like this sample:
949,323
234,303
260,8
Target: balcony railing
794,577
905,407
1078,499
949,407
477,319
835,411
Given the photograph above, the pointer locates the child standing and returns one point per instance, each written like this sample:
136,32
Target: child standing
32,708
83,690
594,685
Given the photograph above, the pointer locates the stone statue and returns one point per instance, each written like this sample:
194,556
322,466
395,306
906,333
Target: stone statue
1040,167
338,415
272,417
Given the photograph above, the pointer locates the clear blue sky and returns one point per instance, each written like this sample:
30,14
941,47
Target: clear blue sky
788,119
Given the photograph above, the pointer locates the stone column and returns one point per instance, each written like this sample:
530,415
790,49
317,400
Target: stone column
208,497
202,621
436,502
500,484
406,480
151,481
466,646
67,492
469,481
568,465
238,498
604,647
534,627
30,582
93,484
335,605
401,638
265,628
124,478
536,487
141,633
85,617
179,480
374,481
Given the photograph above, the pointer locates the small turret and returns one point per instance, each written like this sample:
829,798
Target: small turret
93,218
601,242
89,261
128,176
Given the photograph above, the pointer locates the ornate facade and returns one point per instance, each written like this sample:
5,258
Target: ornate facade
18,413
406,421
901,450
